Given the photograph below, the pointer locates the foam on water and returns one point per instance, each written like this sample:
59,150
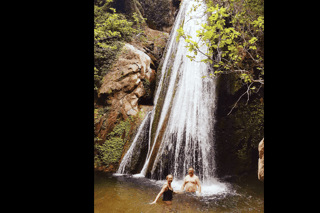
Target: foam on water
138,175
206,189
117,174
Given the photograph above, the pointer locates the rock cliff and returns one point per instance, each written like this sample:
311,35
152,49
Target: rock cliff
126,92
261,161
160,14
237,134
124,85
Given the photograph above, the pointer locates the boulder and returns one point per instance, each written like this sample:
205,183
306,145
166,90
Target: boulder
261,161
123,83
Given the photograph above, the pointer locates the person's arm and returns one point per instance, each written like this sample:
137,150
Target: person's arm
178,192
184,183
199,185
160,193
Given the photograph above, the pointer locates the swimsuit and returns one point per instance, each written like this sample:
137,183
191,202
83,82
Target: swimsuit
167,195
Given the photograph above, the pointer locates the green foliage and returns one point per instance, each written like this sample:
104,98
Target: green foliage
251,117
111,150
234,34
238,136
111,29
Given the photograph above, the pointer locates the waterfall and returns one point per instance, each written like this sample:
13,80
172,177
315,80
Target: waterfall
125,165
181,131
169,49
188,107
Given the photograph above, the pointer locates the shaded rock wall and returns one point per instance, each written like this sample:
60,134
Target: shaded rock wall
160,14
238,134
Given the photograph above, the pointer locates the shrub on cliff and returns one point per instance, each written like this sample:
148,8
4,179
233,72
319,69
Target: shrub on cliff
110,151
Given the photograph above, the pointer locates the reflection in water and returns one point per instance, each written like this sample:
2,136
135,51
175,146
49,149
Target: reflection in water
132,194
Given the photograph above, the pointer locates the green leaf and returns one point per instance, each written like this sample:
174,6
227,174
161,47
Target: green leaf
254,39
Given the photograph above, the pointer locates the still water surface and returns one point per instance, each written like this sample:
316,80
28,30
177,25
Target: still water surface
133,194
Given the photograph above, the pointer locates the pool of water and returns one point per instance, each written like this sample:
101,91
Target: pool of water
133,194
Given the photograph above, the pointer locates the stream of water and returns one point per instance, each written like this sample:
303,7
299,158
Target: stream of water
125,193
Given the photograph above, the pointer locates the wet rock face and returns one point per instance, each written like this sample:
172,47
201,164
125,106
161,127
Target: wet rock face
124,85
261,161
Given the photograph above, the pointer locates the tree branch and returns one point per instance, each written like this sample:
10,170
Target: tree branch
241,97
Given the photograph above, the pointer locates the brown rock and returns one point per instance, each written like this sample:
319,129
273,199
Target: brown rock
123,84
261,161
140,91
123,88
132,99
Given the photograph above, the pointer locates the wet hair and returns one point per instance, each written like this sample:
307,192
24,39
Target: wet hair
169,175
191,168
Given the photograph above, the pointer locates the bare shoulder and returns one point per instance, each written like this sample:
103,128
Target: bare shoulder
165,186
197,178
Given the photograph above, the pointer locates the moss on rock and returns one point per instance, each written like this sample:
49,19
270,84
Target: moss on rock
110,151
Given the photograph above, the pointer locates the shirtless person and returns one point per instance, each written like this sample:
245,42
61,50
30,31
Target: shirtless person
191,182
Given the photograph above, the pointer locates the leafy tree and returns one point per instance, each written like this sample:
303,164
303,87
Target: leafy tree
111,29
234,34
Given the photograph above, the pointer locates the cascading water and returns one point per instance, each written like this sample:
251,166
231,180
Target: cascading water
188,136
181,133
125,164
